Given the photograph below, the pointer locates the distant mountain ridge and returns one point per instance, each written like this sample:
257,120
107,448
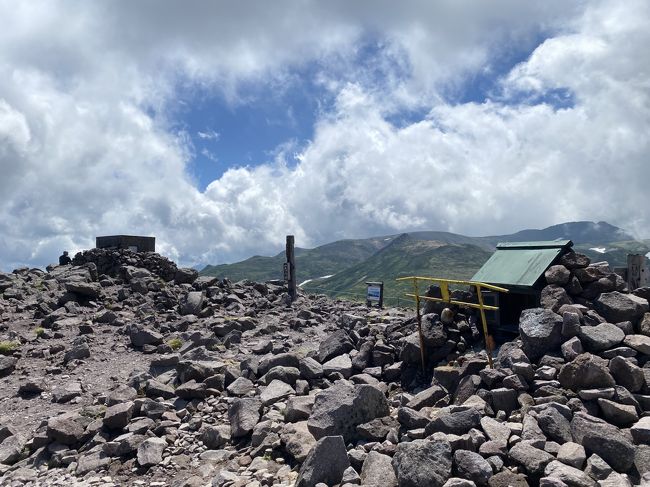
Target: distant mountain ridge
343,267
579,232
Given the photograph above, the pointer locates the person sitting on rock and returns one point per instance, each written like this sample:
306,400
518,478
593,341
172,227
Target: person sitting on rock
64,259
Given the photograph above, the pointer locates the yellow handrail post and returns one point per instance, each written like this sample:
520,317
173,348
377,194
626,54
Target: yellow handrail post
419,318
446,298
488,344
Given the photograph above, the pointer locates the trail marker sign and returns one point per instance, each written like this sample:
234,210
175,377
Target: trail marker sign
375,293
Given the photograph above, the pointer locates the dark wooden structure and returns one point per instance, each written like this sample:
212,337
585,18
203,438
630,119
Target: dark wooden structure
134,243
290,268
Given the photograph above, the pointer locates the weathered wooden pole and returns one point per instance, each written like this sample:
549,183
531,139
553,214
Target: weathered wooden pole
291,268
637,272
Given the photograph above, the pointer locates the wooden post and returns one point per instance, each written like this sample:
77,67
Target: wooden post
291,268
419,318
637,272
488,339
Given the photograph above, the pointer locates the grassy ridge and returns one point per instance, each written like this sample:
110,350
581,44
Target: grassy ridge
440,254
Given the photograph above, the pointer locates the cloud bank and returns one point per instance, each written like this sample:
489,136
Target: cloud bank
89,144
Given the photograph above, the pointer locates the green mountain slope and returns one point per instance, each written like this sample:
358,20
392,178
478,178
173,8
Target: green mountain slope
321,261
408,254
348,264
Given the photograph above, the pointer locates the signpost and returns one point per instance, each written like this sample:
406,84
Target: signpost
375,293
290,268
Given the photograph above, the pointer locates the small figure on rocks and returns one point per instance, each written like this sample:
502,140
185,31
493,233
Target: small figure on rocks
65,259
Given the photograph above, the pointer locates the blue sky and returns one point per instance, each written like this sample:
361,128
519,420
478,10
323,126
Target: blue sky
246,132
221,127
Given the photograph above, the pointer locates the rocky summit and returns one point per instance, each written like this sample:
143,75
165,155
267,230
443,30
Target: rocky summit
122,369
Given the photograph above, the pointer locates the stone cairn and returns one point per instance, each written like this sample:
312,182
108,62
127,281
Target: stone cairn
242,388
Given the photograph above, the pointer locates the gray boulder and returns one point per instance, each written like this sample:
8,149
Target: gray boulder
616,307
568,474
339,409
472,466
627,374
541,332
574,260
641,431
7,365
334,345
456,423
298,408
90,290
276,391
150,451
618,414
600,337
554,425
554,297
67,429
11,449
532,459
243,415
192,304
377,471
144,336
310,369
118,415
422,463
297,440
557,274
214,437
640,343
586,371
572,454
427,397
186,275
603,439
325,463
338,365
79,351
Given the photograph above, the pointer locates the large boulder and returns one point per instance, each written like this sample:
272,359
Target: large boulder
541,332
243,415
422,463
573,260
586,371
554,297
600,337
297,439
640,343
603,439
192,304
532,459
7,365
472,466
334,345
377,471
627,374
118,415
456,422
186,275
616,307
67,429
150,451
325,463
339,409
557,274
144,336
11,449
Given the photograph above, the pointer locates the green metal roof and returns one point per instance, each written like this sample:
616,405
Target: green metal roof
520,263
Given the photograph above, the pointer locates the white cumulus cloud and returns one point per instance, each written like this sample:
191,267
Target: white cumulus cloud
88,144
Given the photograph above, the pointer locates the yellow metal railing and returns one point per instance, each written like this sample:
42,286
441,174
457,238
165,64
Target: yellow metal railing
446,298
